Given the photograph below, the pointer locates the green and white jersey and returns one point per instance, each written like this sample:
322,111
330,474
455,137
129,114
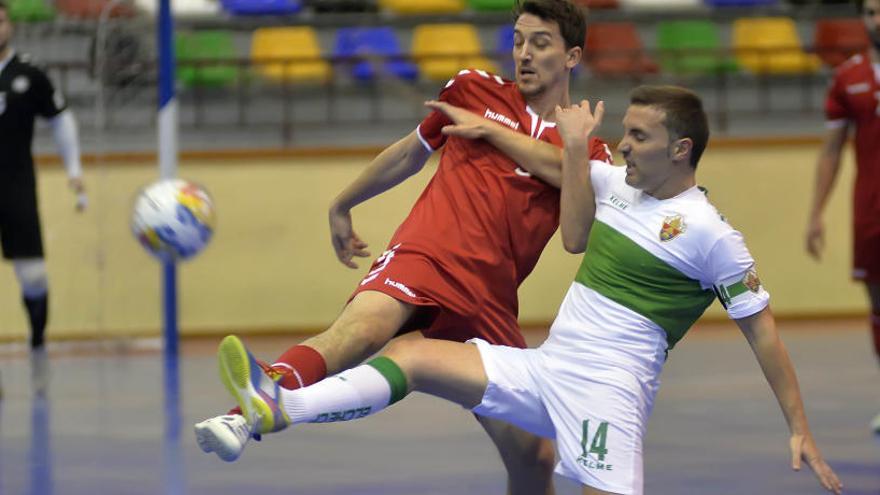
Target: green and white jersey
650,270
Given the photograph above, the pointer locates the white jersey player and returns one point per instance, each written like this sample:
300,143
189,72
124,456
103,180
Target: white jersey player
657,254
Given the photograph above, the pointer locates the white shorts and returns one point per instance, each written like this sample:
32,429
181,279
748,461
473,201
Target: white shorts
597,416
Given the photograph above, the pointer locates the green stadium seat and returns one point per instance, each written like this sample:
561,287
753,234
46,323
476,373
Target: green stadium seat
491,5
206,46
692,47
30,11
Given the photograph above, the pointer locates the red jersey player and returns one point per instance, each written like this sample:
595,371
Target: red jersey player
453,267
854,101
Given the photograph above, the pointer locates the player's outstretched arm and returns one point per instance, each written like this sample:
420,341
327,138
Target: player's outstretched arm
577,201
540,159
827,167
760,330
66,135
391,167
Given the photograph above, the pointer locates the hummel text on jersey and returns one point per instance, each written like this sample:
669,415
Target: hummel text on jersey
497,117
399,286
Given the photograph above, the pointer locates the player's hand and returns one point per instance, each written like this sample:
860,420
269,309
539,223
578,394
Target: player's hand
82,200
577,122
804,448
465,124
816,238
346,243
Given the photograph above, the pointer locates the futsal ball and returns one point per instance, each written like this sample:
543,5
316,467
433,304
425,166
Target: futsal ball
173,219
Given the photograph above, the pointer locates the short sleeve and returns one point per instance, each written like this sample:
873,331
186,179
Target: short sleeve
429,130
731,270
836,108
48,102
600,176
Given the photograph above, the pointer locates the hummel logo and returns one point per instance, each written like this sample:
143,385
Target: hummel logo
497,117
399,286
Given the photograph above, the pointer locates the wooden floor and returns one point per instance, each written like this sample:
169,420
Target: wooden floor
106,427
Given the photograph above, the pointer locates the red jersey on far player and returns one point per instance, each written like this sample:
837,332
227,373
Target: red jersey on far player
854,97
480,225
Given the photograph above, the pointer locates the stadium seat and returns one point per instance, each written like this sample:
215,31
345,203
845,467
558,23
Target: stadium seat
381,43
838,39
599,4
30,11
504,50
91,9
206,46
182,8
262,7
289,54
491,5
692,47
615,49
422,6
770,45
442,50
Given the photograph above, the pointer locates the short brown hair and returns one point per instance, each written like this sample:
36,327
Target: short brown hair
568,16
3,5
685,117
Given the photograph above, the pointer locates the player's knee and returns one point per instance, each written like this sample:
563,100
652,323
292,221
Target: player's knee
528,456
31,274
539,457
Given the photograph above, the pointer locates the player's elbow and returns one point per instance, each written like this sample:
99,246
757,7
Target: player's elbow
574,244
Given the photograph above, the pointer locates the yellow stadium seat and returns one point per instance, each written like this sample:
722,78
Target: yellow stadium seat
271,46
422,6
770,45
442,50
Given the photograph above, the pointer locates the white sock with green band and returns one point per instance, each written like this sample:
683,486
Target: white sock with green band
352,394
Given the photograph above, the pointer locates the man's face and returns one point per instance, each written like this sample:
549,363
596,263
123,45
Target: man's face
5,30
646,148
539,52
871,17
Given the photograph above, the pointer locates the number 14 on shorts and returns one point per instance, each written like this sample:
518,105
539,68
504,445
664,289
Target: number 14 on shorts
593,449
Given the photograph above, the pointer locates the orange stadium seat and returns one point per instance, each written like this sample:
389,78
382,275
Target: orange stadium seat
615,49
441,50
771,45
422,6
838,39
289,54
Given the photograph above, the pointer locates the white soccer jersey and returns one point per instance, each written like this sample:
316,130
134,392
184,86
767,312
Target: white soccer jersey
650,270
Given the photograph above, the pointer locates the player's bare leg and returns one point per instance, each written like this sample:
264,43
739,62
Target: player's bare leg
366,324
874,296
529,459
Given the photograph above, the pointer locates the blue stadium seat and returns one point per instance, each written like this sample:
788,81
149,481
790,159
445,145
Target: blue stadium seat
380,42
262,7
504,49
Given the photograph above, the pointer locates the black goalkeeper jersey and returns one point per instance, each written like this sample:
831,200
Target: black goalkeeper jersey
25,92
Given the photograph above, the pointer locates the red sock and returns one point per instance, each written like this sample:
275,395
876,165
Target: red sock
305,366
875,327
299,366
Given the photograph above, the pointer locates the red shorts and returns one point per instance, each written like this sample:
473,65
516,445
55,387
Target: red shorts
866,255
453,308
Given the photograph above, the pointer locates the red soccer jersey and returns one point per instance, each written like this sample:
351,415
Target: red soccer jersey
854,97
482,219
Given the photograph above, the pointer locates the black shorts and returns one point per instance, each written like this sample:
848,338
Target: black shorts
20,234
